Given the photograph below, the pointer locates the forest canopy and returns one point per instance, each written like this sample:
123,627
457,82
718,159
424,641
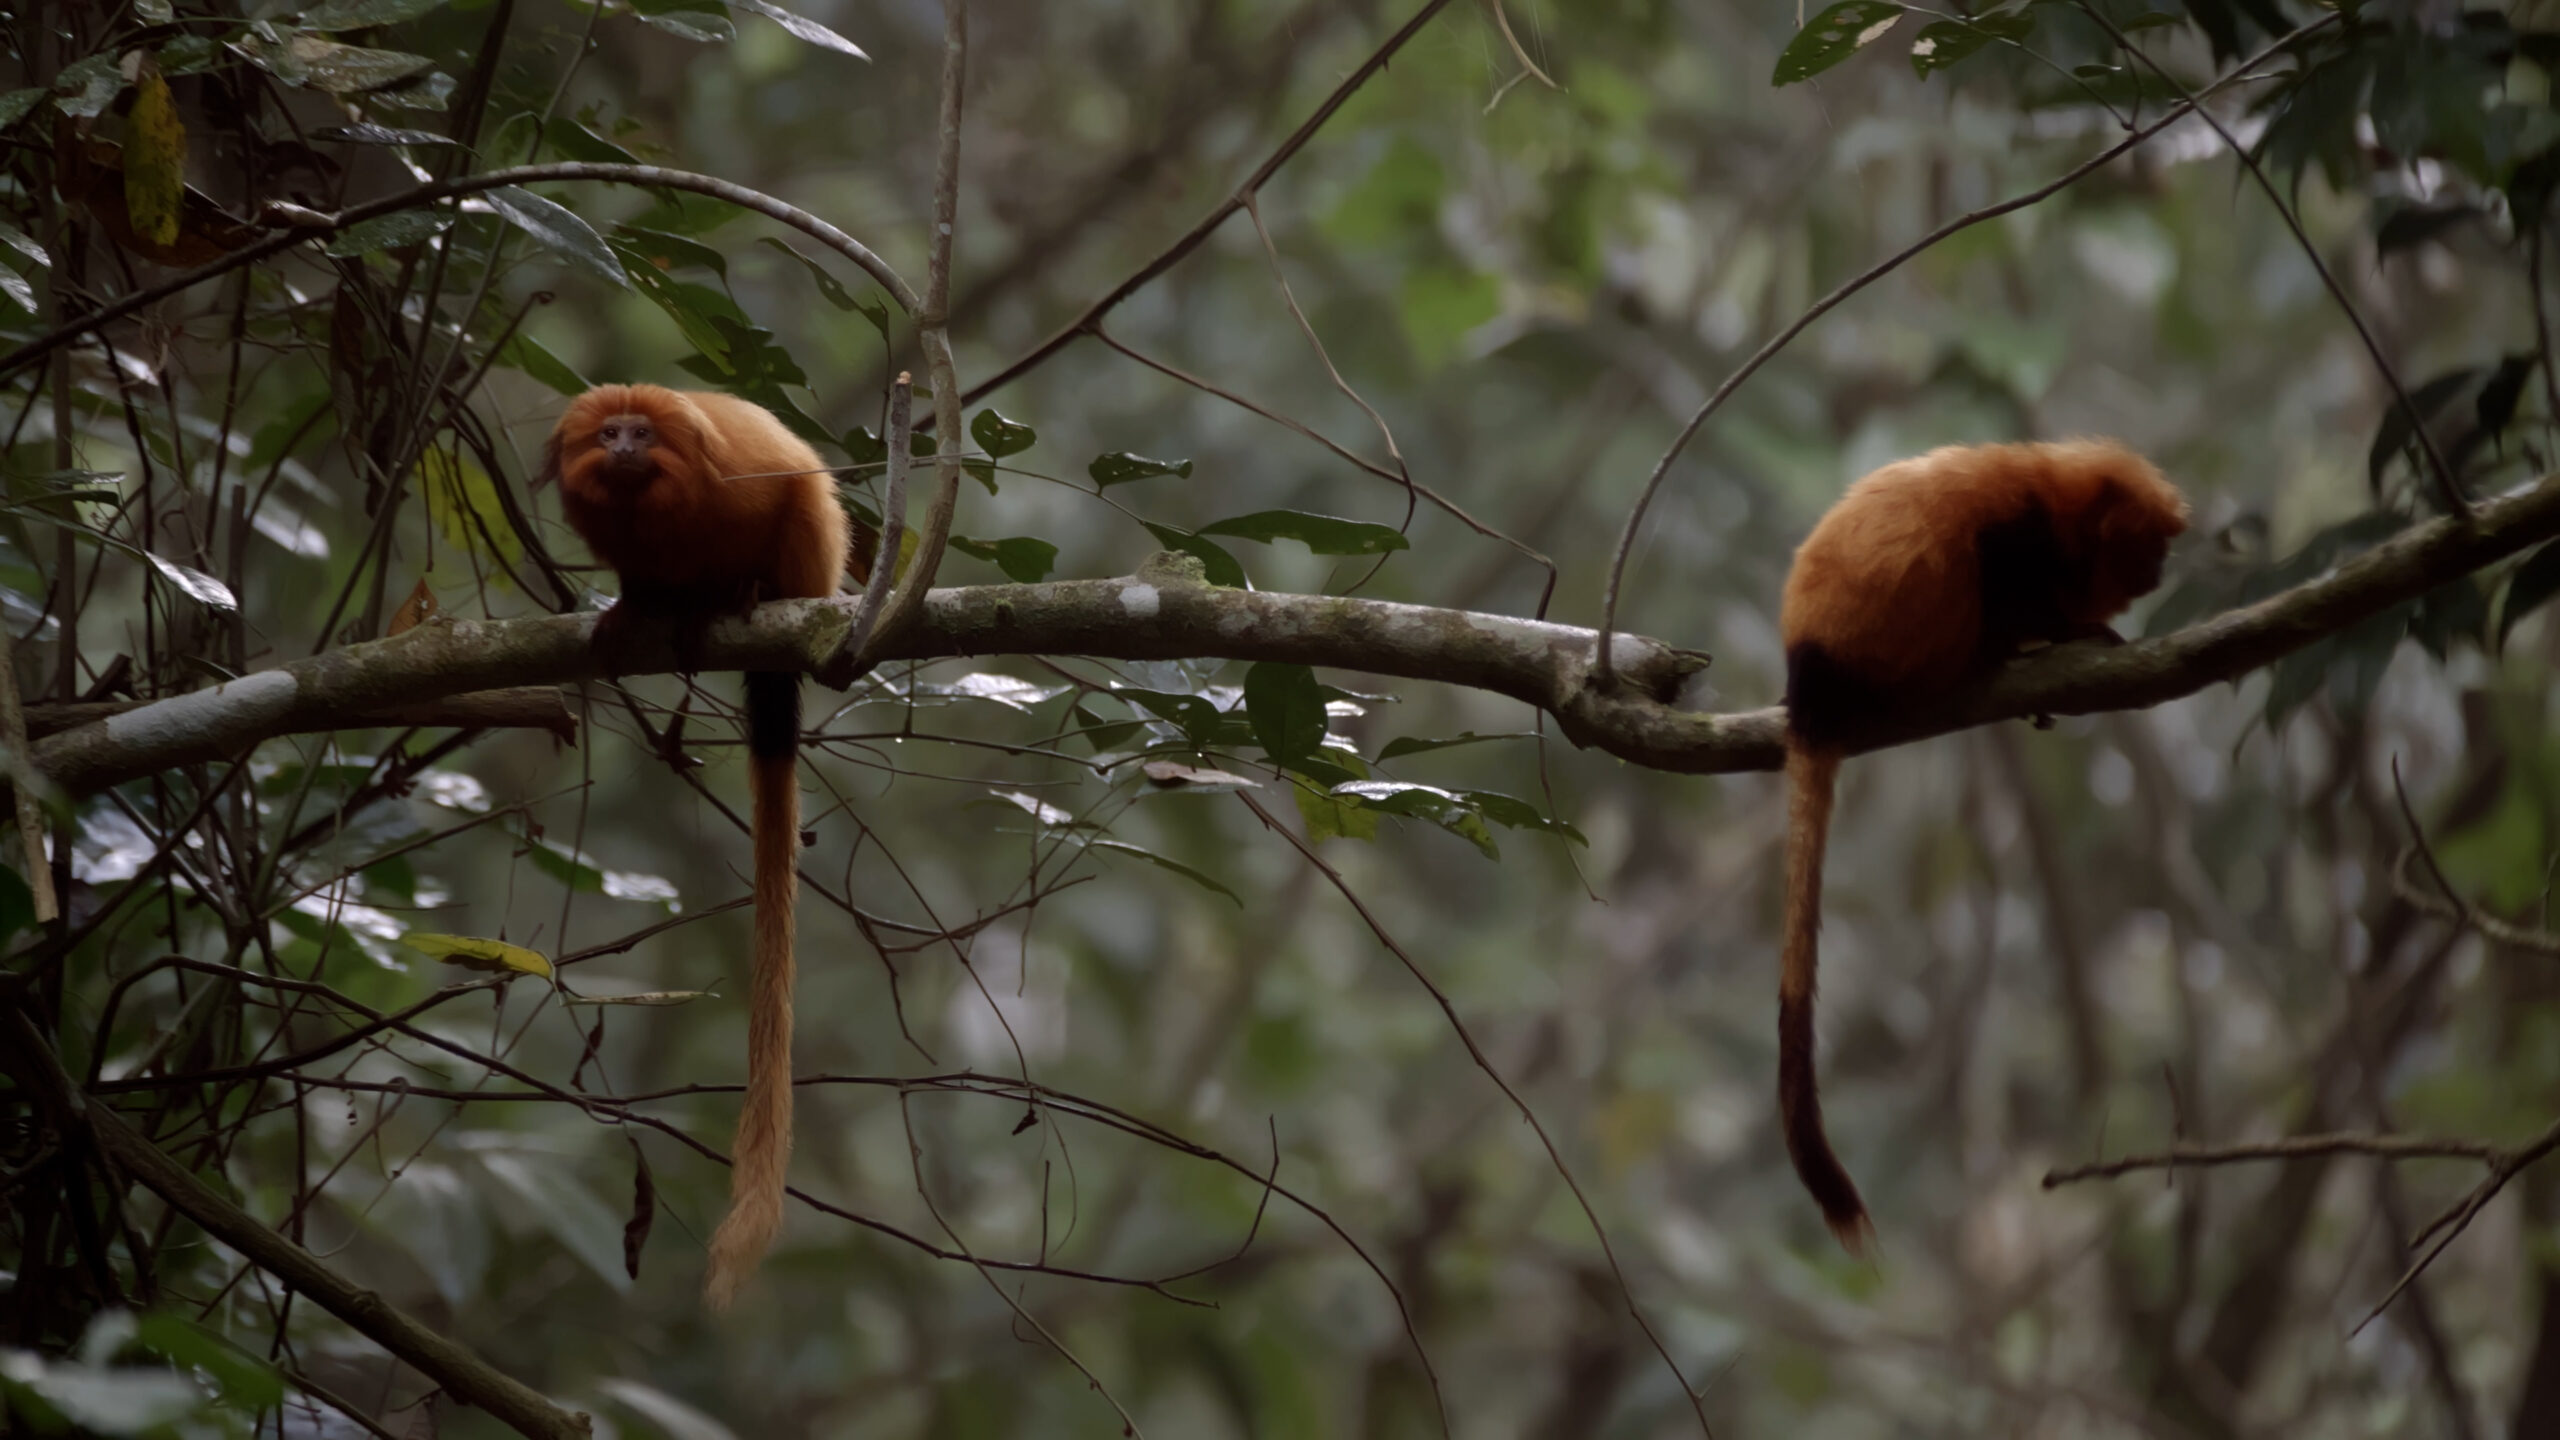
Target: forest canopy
1289,865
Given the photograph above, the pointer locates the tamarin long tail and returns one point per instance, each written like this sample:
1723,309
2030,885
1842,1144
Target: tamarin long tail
763,1150
1811,772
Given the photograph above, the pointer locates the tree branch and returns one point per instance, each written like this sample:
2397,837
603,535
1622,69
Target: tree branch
30,1060
1167,611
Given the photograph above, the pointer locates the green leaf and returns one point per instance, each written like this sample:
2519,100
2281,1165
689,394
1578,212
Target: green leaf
1945,42
1833,36
1022,558
1323,534
395,231
188,54
364,14
1404,745
1519,814
1122,847
803,28
2532,586
556,229
588,878
634,244
828,285
529,355
1286,708
875,310
999,436
2455,610
576,142
1197,719
2297,677
1223,568
1328,814
1444,808
1119,467
16,103
693,308
244,1381
702,21
300,57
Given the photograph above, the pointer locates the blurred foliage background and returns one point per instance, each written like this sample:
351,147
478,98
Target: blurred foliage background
2044,947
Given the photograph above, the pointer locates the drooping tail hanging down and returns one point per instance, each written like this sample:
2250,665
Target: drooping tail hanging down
763,1149
1811,772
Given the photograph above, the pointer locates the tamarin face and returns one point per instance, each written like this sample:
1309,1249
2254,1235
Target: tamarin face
629,444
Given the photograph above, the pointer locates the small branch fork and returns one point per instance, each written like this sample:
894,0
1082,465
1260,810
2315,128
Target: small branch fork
2503,1164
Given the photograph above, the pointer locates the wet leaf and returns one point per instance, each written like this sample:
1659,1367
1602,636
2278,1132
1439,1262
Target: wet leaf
364,14
1023,558
1286,708
370,134
1833,36
1175,775
1404,745
702,21
803,28
1323,534
1119,467
556,229
395,231
195,584
529,355
829,287
2534,583
1122,847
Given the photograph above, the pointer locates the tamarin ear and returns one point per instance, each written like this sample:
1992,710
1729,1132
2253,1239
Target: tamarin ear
549,473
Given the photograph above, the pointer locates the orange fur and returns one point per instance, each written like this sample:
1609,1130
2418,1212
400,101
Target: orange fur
1926,574
705,504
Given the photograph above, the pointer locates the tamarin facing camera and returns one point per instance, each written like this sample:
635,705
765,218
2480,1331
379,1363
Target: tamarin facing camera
705,505
1926,575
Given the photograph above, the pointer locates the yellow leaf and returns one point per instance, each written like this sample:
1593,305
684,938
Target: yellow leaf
473,953
155,160
464,502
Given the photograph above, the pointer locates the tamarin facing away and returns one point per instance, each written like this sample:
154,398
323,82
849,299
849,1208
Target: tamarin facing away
1923,577
705,505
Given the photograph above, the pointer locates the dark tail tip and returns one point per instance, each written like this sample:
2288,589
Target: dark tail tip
1800,1117
773,713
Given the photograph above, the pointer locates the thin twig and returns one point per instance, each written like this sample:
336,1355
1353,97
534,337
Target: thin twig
307,225
1207,225
924,1192
1484,1062
2448,903
1605,662
2447,485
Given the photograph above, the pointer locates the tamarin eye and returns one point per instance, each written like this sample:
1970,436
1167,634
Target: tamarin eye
607,433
